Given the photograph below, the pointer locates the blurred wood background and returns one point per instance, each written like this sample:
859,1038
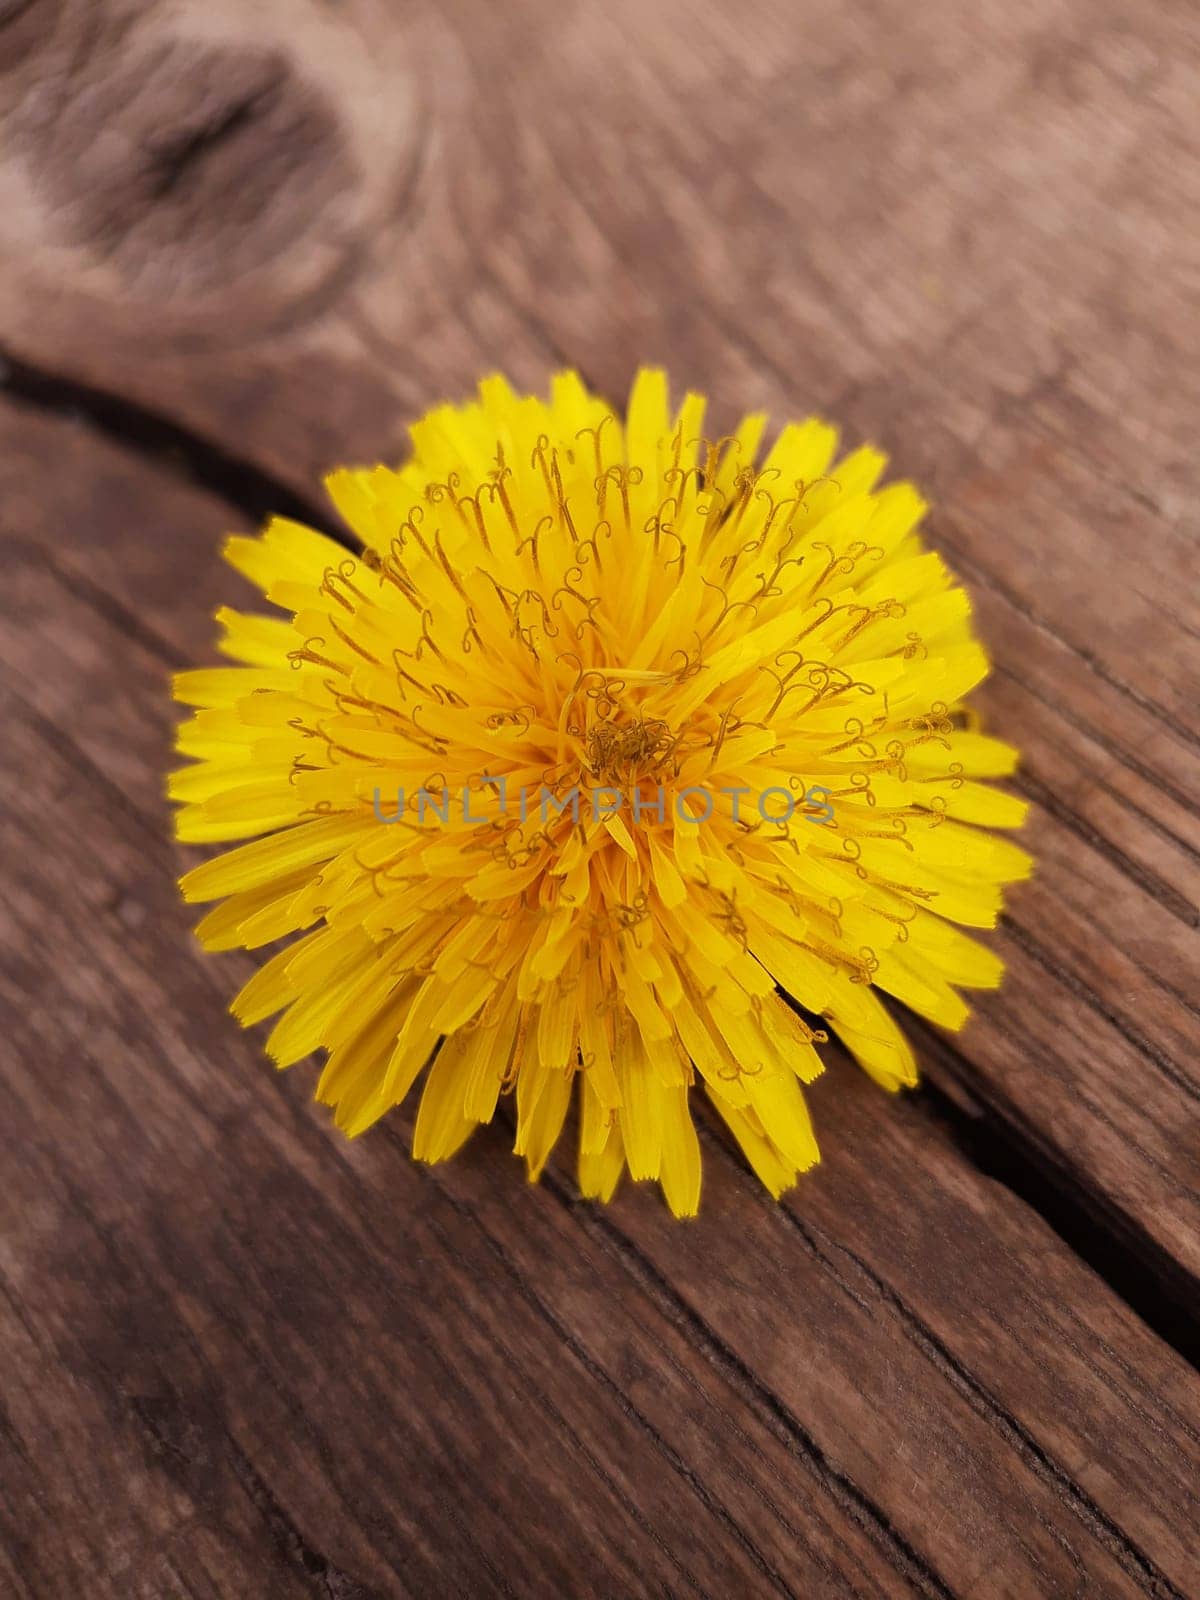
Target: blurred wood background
243,1358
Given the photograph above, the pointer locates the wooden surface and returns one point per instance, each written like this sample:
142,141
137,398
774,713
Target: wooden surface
246,1359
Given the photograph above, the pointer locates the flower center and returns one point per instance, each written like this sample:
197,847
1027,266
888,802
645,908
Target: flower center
622,751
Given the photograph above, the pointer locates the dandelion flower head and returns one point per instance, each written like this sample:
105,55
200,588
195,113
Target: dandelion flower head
617,765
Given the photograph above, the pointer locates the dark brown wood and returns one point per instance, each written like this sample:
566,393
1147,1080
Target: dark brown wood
239,245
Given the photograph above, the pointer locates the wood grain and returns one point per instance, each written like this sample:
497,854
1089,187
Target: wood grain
247,1359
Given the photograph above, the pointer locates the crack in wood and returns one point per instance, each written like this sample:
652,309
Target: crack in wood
1152,1283
166,443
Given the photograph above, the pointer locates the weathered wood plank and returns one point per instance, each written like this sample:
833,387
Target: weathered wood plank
266,240
302,1357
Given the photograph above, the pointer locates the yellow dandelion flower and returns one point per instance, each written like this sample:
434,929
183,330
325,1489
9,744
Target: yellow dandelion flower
605,742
